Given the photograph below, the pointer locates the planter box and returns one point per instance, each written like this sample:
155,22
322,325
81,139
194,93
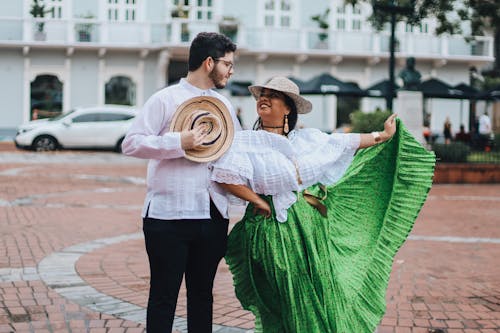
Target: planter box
466,173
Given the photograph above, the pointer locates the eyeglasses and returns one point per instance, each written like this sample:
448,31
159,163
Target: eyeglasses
271,94
228,64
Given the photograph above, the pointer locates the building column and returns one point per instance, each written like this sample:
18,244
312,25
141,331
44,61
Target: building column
26,89
100,82
161,74
67,81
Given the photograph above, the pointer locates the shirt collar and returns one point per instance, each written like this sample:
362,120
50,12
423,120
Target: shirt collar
202,92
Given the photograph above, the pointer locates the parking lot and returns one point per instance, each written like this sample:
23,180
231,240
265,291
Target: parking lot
72,257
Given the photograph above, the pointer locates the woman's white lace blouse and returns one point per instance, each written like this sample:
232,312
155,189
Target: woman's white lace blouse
272,164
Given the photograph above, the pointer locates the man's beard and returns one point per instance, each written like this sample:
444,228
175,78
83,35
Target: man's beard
217,78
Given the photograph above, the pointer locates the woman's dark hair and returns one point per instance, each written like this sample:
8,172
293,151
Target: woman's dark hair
292,116
208,44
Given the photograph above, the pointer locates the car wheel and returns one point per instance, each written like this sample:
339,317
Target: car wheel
118,147
45,143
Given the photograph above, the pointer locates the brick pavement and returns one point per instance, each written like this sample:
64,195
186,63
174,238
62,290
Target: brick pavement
72,257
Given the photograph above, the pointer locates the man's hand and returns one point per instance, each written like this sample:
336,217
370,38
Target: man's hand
193,138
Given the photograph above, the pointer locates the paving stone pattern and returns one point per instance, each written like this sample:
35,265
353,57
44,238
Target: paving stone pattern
72,256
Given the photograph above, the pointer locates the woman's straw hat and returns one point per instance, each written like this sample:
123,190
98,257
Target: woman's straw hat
213,113
286,86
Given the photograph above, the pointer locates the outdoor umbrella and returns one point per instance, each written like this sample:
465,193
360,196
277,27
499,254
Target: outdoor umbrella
239,88
434,88
380,89
491,94
325,83
469,92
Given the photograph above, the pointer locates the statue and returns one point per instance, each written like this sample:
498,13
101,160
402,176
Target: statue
409,75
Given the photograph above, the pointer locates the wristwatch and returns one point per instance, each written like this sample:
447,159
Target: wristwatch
376,136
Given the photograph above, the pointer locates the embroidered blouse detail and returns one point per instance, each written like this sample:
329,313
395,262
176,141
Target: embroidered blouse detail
272,164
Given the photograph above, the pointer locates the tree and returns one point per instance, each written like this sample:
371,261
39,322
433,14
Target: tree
483,15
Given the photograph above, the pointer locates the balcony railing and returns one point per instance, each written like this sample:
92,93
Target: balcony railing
180,31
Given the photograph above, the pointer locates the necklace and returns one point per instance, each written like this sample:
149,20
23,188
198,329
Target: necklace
271,126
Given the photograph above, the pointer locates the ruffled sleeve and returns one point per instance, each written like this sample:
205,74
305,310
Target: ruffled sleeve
264,162
323,158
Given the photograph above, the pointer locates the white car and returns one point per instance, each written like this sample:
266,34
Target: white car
94,127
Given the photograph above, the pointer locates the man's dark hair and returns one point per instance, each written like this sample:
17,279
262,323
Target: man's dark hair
208,44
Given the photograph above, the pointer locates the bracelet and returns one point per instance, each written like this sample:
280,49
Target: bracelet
376,136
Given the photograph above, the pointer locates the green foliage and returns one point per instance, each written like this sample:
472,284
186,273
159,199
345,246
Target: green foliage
484,16
454,152
368,122
322,20
490,82
38,10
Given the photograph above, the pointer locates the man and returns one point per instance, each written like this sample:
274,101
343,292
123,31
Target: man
184,231
484,130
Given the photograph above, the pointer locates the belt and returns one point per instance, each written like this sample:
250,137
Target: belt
315,200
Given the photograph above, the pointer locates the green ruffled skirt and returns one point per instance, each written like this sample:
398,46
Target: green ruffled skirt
315,274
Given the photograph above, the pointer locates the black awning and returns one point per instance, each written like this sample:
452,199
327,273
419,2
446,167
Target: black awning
380,89
326,84
491,94
469,91
435,88
239,88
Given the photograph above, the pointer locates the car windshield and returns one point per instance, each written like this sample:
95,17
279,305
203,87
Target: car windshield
61,116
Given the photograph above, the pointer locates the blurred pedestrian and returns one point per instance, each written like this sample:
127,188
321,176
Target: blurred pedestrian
484,131
462,136
447,131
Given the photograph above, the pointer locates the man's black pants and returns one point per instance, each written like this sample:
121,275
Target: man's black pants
175,248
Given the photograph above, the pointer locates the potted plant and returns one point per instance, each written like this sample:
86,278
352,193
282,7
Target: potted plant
228,26
84,29
38,11
179,11
322,20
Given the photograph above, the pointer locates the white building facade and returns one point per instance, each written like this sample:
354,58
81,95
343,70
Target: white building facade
93,52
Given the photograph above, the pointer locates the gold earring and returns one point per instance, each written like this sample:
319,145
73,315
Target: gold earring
286,129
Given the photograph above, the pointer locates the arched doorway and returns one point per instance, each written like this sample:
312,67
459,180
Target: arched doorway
120,90
46,97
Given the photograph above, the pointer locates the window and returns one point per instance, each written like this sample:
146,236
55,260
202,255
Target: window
200,10
340,17
356,18
278,13
122,10
87,118
120,90
57,8
203,10
348,17
46,97
115,116
102,117
422,28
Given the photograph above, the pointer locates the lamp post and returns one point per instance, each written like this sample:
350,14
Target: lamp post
393,9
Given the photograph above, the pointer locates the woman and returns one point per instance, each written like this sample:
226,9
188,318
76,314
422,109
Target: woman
314,250
447,131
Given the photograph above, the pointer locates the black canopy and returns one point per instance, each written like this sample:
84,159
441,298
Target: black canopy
239,88
468,91
439,89
380,89
492,94
325,83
